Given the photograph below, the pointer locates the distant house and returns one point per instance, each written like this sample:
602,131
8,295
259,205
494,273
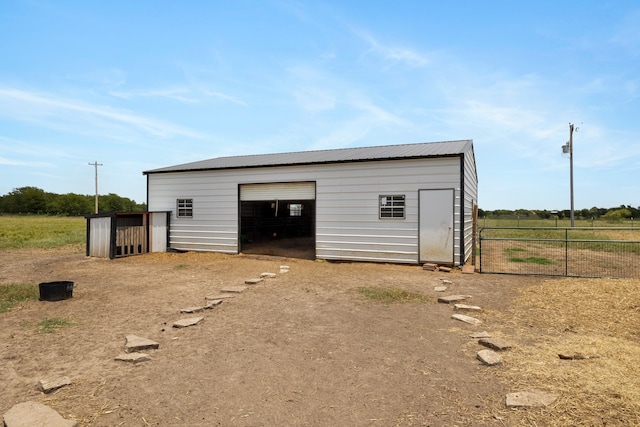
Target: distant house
410,203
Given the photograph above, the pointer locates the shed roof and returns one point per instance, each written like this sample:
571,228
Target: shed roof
342,155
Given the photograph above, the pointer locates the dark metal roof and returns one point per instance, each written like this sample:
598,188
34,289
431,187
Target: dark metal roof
385,152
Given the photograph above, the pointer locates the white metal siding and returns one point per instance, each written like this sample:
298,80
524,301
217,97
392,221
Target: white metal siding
99,237
158,231
278,191
348,226
470,200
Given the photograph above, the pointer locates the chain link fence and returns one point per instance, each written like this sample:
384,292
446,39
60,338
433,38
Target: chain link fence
572,252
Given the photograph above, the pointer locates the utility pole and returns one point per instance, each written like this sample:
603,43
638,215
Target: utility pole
95,165
568,149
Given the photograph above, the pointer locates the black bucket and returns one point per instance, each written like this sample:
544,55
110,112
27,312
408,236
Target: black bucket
56,291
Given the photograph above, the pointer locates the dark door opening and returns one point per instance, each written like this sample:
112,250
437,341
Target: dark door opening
278,227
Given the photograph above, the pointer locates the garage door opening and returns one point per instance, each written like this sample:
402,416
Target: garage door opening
278,219
278,227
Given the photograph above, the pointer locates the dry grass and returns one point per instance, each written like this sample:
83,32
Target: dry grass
598,319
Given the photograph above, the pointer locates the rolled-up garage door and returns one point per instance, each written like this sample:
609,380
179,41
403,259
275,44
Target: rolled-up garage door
278,191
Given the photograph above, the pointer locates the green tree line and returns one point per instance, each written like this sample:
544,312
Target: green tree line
33,200
615,214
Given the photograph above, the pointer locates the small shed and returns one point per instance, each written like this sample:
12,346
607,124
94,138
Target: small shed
120,234
409,203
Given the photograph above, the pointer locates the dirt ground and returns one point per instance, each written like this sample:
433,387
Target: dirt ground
303,349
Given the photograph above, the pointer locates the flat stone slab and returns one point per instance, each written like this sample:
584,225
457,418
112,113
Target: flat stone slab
49,385
219,296
234,289
135,343
212,303
133,357
497,344
268,275
192,309
466,319
184,323
468,269
465,307
532,398
440,288
253,281
575,356
452,298
483,334
34,414
489,357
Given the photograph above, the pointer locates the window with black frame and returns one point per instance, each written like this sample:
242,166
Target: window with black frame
392,206
184,208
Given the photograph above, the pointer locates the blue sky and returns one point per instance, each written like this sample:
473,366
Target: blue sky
146,84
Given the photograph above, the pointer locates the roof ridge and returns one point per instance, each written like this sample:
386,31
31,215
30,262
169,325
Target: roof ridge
335,155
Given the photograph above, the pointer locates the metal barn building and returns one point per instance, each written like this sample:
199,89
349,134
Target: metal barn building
411,203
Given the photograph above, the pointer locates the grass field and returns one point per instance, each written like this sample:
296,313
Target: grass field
591,249
560,223
39,231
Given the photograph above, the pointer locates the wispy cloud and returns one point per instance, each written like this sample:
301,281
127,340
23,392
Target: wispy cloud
315,99
393,54
22,148
626,34
106,77
364,118
223,96
182,94
13,162
78,116
175,93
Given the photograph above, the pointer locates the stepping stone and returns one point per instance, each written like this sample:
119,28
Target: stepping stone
533,398
466,307
47,386
133,357
192,309
234,289
254,281
466,319
483,334
468,269
212,303
184,323
497,344
489,357
440,288
218,296
268,275
445,269
135,343
30,414
575,356
453,298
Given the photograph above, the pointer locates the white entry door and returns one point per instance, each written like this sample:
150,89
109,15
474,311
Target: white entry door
436,225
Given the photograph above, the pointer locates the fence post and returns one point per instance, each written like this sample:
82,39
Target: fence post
480,244
566,252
